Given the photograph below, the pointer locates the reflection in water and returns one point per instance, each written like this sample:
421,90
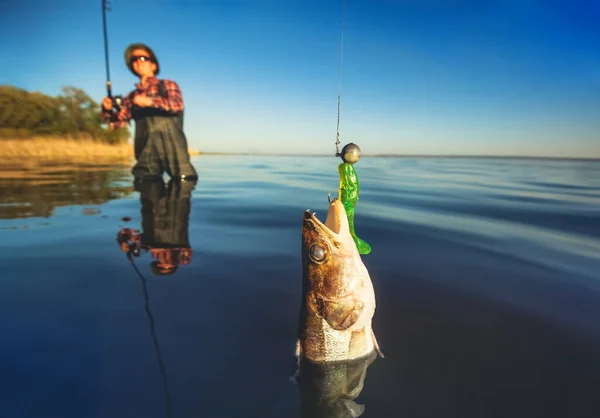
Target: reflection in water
161,365
36,193
165,224
329,390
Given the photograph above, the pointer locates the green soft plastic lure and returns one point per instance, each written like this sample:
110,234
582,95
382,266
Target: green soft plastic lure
350,189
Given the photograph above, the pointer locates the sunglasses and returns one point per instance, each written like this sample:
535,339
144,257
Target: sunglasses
140,58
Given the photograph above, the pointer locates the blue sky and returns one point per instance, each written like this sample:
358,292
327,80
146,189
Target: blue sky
512,77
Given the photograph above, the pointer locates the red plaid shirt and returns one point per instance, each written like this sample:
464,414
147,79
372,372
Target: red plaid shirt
173,103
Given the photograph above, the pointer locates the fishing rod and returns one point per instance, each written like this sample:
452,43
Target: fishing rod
116,99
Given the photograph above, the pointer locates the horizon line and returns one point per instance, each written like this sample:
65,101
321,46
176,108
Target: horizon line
384,155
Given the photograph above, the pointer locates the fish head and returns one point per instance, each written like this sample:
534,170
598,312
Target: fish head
330,260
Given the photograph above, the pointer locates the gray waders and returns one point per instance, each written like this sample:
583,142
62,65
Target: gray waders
160,145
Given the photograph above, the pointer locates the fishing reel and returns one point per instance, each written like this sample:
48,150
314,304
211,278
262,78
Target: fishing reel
117,102
129,241
134,249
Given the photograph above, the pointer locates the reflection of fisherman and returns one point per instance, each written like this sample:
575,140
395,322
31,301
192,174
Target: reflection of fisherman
157,108
165,221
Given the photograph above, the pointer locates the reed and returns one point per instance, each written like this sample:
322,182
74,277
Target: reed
56,150
45,149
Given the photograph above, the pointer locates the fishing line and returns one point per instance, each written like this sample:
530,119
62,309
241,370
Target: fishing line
337,136
168,408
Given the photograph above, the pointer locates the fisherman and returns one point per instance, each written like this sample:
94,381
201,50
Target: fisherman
156,106
165,223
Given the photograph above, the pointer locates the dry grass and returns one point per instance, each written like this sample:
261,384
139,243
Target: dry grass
33,153
87,151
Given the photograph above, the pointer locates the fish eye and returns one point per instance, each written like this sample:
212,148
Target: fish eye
317,253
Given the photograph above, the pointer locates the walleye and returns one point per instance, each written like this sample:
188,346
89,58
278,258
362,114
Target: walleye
338,299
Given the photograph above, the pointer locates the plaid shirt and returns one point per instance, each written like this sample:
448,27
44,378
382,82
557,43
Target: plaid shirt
173,103
176,255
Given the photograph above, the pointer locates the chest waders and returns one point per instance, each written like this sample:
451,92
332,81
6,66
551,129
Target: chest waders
160,144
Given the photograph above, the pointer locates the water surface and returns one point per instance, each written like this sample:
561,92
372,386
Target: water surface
486,273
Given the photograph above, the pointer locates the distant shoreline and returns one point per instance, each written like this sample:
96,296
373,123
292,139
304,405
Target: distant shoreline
88,151
504,157
57,149
45,150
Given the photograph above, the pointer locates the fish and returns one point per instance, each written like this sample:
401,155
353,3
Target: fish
329,390
338,298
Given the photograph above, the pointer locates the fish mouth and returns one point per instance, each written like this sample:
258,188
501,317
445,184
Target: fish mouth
336,222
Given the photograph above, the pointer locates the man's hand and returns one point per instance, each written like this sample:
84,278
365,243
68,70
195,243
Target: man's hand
142,100
107,103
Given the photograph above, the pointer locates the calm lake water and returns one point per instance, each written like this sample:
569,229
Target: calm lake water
486,273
